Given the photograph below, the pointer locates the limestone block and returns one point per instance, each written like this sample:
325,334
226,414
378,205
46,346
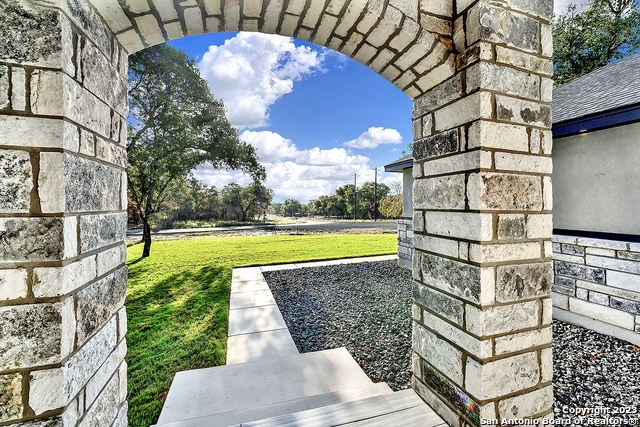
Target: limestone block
502,191
467,281
445,192
472,345
400,41
350,17
325,30
634,256
487,76
166,10
85,17
523,281
85,362
55,93
522,341
523,60
15,181
212,7
523,112
404,81
111,152
501,377
436,24
383,58
504,252
99,301
568,258
560,301
501,319
4,87
416,172
470,108
70,237
101,230
447,247
418,50
602,313
312,14
381,33
442,8
33,335
436,403
463,250
468,161
11,397
547,310
112,13
613,264
526,405
539,226
74,184
462,225
149,29
390,73
31,239
110,259
122,323
546,91
582,293
599,298
121,420
621,280
366,53
45,390
103,79
511,226
449,90
57,281
439,353
130,41
418,221
506,27
534,141
18,94
105,372
523,163
572,249
632,307
442,304
436,145
498,135
48,31
459,36
105,409
13,284
601,243
546,32
547,193
193,20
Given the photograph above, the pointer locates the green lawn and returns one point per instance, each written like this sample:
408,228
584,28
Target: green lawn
178,301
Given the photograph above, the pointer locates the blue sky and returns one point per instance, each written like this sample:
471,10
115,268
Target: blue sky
316,117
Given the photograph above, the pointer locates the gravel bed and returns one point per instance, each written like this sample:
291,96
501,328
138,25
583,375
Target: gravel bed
366,307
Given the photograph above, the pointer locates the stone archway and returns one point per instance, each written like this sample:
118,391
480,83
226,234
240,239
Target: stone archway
479,74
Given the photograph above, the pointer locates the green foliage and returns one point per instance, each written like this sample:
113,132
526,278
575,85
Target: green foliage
290,207
606,31
391,206
177,302
176,126
248,203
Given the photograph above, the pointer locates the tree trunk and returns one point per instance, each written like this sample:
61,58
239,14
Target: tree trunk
146,237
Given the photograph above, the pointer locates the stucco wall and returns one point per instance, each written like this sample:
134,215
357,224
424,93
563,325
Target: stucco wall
407,193
596,180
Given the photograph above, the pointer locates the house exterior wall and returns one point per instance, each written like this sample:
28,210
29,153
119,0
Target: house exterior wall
597,285
597,181
405,242
407,193
480,76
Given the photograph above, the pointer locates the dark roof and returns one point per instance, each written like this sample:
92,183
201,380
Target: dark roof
399,165
608,88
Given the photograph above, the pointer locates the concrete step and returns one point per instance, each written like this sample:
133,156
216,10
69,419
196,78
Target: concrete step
260,384
241,417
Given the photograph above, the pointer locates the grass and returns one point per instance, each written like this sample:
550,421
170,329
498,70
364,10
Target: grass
178,301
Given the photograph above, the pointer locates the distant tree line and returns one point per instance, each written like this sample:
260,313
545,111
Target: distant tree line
371,201
191,200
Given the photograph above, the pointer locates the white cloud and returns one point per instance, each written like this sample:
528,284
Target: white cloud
294,173
251,71
374,137
269,145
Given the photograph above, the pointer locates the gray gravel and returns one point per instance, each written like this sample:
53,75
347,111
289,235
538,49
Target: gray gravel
366,308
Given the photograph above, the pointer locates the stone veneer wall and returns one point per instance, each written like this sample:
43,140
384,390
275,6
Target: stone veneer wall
405,242
597,285
62,218
482,220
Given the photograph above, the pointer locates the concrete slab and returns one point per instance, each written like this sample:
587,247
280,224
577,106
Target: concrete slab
250,299
251,286
255,319
260,346
206,392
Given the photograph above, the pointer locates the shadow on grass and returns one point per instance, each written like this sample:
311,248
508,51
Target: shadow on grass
176,323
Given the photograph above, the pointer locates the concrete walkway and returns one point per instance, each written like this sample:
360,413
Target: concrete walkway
257,330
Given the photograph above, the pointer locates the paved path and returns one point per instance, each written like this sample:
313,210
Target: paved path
257,330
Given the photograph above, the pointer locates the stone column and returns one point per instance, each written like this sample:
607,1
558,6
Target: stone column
482,220
62,217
